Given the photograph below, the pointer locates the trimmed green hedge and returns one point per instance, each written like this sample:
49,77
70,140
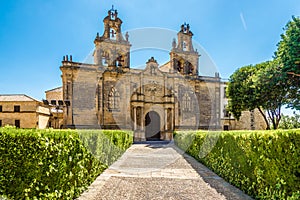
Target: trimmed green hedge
108,146
264,164
54,164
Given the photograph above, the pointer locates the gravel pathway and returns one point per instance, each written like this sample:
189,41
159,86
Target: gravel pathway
159,171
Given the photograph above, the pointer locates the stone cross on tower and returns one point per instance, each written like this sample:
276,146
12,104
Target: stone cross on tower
113,13
185,28
111,49
184,59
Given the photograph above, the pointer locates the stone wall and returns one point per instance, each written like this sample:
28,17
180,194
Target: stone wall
31,115
248,121
54,94
91,90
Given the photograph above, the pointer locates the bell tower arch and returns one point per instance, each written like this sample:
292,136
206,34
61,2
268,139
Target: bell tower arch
112,50
184,59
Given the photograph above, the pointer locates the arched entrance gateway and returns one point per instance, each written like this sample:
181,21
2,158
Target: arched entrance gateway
152,126
152,104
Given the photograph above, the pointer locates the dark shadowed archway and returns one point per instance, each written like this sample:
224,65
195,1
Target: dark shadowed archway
152,122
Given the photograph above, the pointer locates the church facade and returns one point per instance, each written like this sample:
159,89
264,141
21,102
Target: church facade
153,102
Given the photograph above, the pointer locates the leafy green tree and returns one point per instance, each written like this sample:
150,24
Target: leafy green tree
237,90
270,85
288,53
242,92
270,89
261,87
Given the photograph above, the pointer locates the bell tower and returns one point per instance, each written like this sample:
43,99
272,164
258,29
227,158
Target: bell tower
184,59
112,51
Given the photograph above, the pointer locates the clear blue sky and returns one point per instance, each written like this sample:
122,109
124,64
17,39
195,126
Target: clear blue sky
35,34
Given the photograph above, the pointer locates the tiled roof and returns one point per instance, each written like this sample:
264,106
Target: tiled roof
16,97
58,89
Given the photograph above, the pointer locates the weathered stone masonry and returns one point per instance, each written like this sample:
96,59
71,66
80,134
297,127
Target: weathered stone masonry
153,102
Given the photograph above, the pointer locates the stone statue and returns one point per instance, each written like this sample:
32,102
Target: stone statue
126,36
174,43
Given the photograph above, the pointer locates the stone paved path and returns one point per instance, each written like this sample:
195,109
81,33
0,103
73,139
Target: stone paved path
159,171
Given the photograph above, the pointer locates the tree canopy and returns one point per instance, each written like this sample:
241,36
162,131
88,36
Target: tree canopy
240,91
270,90
259,86
272,84
288,53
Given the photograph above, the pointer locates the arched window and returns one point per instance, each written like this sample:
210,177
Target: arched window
185,46
120,61
113,100
105,58
187,67
180,65
186,103
112,33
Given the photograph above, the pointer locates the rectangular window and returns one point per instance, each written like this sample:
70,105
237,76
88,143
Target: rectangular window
225,96
0,123
17,123
16,108
0,108
226,128
53,102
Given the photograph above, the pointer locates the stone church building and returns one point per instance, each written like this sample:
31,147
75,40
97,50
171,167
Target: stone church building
153,102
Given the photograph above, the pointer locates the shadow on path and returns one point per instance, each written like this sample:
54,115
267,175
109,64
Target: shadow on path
156,144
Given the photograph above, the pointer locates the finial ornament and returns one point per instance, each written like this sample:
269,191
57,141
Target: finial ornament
185,28
174,43
182,28
152,60
113,13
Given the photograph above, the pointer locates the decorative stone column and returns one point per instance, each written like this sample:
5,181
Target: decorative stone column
142,131
142,119
134,116
166,119
172,119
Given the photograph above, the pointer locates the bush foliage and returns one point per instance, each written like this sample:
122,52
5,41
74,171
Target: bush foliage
264,164
108,146
290,122
55,164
